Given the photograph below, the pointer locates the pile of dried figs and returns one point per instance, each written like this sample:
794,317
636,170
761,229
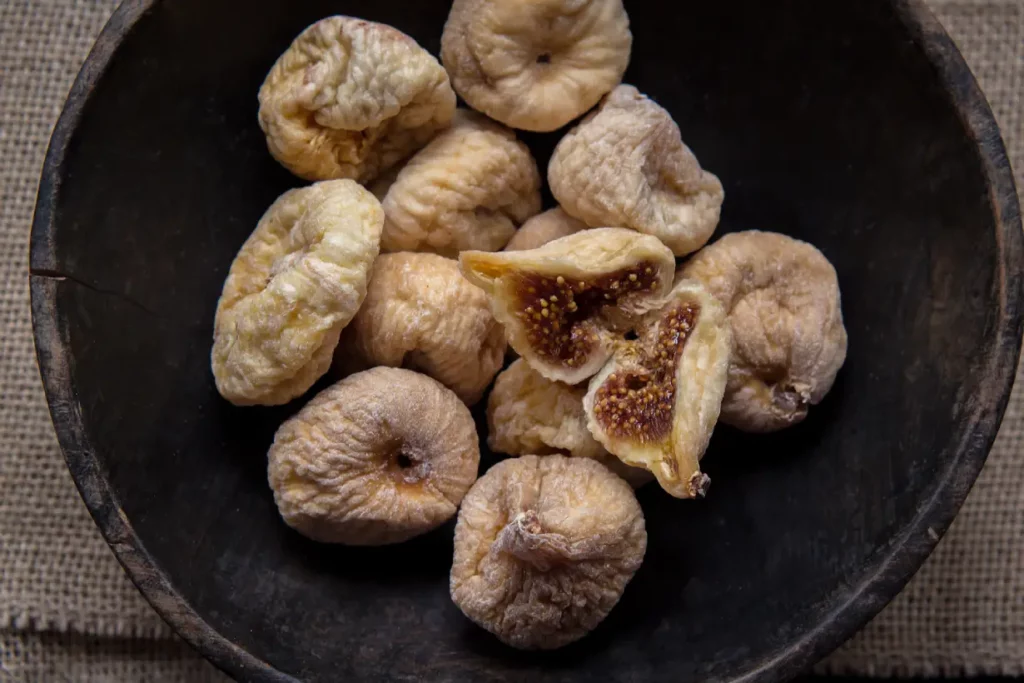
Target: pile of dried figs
418,264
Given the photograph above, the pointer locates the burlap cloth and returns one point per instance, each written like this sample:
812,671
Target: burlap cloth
67,612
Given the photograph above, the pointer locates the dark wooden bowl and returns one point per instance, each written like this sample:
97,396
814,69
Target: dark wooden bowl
855,126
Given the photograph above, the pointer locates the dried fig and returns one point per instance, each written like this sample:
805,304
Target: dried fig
421,313
296,282
559,302
527,413
379,457
626,165
544,548
535,64
782,299
543,228
656,402
538,231
350,98
470,188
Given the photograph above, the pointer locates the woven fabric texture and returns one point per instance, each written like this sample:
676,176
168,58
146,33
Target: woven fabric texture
31,657
67,612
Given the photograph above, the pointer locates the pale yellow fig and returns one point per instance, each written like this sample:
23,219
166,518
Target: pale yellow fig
470,188
380,457
351,98
789,342
544,548
421,313
626,165
543,228
296,282
535,64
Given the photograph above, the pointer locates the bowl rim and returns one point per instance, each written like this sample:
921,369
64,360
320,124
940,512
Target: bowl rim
881,581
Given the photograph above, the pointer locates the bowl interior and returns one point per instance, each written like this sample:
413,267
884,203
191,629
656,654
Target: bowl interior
824,121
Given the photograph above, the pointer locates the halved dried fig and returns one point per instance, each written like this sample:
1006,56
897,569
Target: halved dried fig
350,98
782,299
296,282
626,165
544,548
528,413
559,302
656,402
535,64
545,227
470,188
379,457
421,313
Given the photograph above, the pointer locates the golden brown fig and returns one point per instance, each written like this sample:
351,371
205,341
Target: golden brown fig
656,402
561,302
535,64
626,165
296,282
544,548
782,299
527,413
421,313
543,228
470,188
379,457
351,98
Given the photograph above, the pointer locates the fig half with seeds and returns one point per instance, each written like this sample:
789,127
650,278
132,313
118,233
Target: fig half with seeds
656,402
564,304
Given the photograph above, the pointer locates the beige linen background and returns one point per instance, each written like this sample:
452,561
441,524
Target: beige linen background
67,612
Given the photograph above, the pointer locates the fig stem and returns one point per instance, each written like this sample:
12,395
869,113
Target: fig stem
699,484
524,539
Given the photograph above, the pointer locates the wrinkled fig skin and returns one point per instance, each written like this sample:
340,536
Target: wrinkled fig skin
527,413
470,188
543,228
563,304
422,314
351,98
535,64
782,299
544,548
626,165
655,403
378,458
296,282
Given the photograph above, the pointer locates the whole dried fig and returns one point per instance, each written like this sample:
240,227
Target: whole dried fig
470,188
535,64
543,228
296,282
421,313
782,299
626,165
544,548
350,98
656,402
380,457
559,302
528,413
